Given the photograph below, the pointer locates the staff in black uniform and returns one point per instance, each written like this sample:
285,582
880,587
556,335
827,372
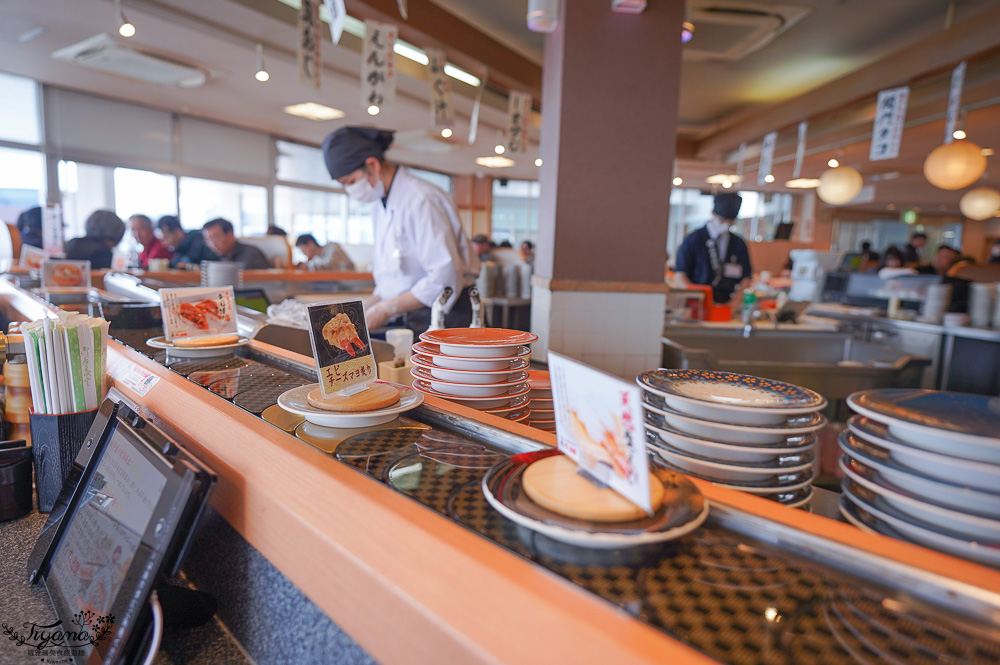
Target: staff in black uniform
715,256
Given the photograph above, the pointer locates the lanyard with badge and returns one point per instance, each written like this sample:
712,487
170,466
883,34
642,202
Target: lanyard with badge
731,270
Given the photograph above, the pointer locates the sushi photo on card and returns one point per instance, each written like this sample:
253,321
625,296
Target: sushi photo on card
198,312
340,345
64,274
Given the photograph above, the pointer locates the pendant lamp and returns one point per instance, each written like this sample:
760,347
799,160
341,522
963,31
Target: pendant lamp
980,203
955,165
839,185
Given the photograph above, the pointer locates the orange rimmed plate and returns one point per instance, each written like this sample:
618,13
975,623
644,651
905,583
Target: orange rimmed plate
478,342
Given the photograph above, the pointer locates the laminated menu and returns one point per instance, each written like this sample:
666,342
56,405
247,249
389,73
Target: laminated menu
599,424
341,347
63,274
198,312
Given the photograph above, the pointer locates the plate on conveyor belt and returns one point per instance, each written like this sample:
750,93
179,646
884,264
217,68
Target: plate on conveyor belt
295,401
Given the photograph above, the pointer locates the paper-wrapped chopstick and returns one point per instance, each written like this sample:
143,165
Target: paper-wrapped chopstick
66,363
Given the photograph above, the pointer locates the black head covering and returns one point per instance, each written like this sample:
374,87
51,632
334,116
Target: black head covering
30,219
727,206
346,149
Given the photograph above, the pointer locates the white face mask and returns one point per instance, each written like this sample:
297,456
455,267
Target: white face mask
364,192
717,227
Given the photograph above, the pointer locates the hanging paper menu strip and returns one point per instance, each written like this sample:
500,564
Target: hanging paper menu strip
53,232
474,118
954,101
766,157
198,312
518,110
442,110
341,347
800,149
599,425
887,132
310,60
378,69
62,274
338,15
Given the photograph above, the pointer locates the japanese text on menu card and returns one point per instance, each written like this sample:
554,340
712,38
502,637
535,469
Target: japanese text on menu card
341,347
378,69
198,312
56,273
599,424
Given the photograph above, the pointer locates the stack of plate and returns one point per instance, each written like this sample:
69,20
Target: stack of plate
542,415
742,432
936,303
482,368
924,466
981,297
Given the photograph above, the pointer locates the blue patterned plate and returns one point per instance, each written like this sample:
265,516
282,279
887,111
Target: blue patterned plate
730,398
956,424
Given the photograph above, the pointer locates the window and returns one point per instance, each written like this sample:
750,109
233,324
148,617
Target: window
19,118
22,182
323,214
144,193
440,179
302,164
243,205
515,211
84,188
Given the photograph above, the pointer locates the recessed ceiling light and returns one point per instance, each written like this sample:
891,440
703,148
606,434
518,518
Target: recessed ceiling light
678,181
373,110
538,162
314,111
495,161
722,178
446,132
769,178
803,183
499,149
833,163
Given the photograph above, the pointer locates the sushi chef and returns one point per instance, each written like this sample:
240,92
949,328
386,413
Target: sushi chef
420,246
715,256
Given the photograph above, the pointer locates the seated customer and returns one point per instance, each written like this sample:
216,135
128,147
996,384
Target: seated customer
29,224
152,248
189,247
330,256
219,236
103,230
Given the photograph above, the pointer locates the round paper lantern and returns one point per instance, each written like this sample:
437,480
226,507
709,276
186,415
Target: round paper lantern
839,185
980,203
955,165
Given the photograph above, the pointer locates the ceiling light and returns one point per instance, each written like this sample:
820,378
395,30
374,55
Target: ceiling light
986,152
314,111
769,178
373,110
543,15
833,163
538,162
499,149
678,181
803,183
261,74
721,178
687,32
495,161
726,184
446,132
411,52
958,134
125,29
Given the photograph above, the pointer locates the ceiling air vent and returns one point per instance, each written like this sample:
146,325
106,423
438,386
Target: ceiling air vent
102,53
730,30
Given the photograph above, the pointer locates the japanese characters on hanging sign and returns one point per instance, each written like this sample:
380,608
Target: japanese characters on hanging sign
442,110
890,113
310,35
338,14
198,312
378,67
518,110
599,424
800,149
341,347
53,232
954,101
766,157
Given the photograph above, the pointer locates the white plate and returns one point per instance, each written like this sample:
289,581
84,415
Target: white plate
965,425
196,351
478,342
739,399
755,489
931,464
966,499
514,405
752,435
511,362
294,401
468,376
543,414
475,402
469,390
674,519
732,473
541,402
730,452
969,526
902,529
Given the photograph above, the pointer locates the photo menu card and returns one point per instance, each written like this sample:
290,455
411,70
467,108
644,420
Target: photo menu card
339,335
64,274
197,312
599,425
